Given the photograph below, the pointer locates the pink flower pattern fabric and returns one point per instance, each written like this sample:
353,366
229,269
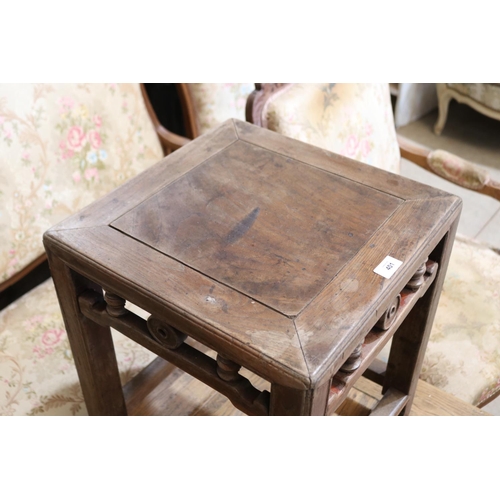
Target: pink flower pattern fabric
37,371
351,119
61,147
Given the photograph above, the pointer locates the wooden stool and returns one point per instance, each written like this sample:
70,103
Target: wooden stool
293,262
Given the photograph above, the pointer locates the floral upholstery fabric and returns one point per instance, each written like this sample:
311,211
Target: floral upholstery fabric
61,147
354,120
457,170
485,93
216,102
463,353
37,372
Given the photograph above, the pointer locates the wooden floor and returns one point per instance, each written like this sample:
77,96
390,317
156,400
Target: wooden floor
163,389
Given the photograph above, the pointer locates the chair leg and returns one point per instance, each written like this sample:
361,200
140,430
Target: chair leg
443,102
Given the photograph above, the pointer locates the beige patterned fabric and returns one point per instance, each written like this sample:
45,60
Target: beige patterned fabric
463,354
217,102
351,119
61,147
37,371
457,170
485,93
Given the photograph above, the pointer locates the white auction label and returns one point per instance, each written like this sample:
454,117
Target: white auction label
388,267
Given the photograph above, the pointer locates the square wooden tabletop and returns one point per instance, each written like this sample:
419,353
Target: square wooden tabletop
259,246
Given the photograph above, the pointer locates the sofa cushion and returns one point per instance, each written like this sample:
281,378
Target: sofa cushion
463,353
351,119
37,371
61,147
214,103
487,94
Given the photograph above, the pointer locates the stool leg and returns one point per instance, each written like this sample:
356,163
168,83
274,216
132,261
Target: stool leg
410,340
286,401
91,344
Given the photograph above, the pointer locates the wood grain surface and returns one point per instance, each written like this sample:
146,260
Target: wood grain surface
163,389
262,248
271,227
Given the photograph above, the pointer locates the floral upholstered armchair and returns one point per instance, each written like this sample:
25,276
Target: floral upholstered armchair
62,146
355,120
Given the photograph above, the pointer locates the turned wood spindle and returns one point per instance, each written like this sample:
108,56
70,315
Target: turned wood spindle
164,334
417,279
353,361
115,305
227,369
389,316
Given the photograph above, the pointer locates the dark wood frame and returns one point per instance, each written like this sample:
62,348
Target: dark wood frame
189,115
169,141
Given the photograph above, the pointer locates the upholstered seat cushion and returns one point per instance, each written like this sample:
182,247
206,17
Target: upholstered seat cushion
37,372
351,119
487,94
463,353
63,146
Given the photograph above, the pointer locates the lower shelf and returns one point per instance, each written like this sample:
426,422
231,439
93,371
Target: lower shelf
163,389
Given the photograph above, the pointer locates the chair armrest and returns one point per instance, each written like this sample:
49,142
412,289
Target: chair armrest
169,140
450,167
